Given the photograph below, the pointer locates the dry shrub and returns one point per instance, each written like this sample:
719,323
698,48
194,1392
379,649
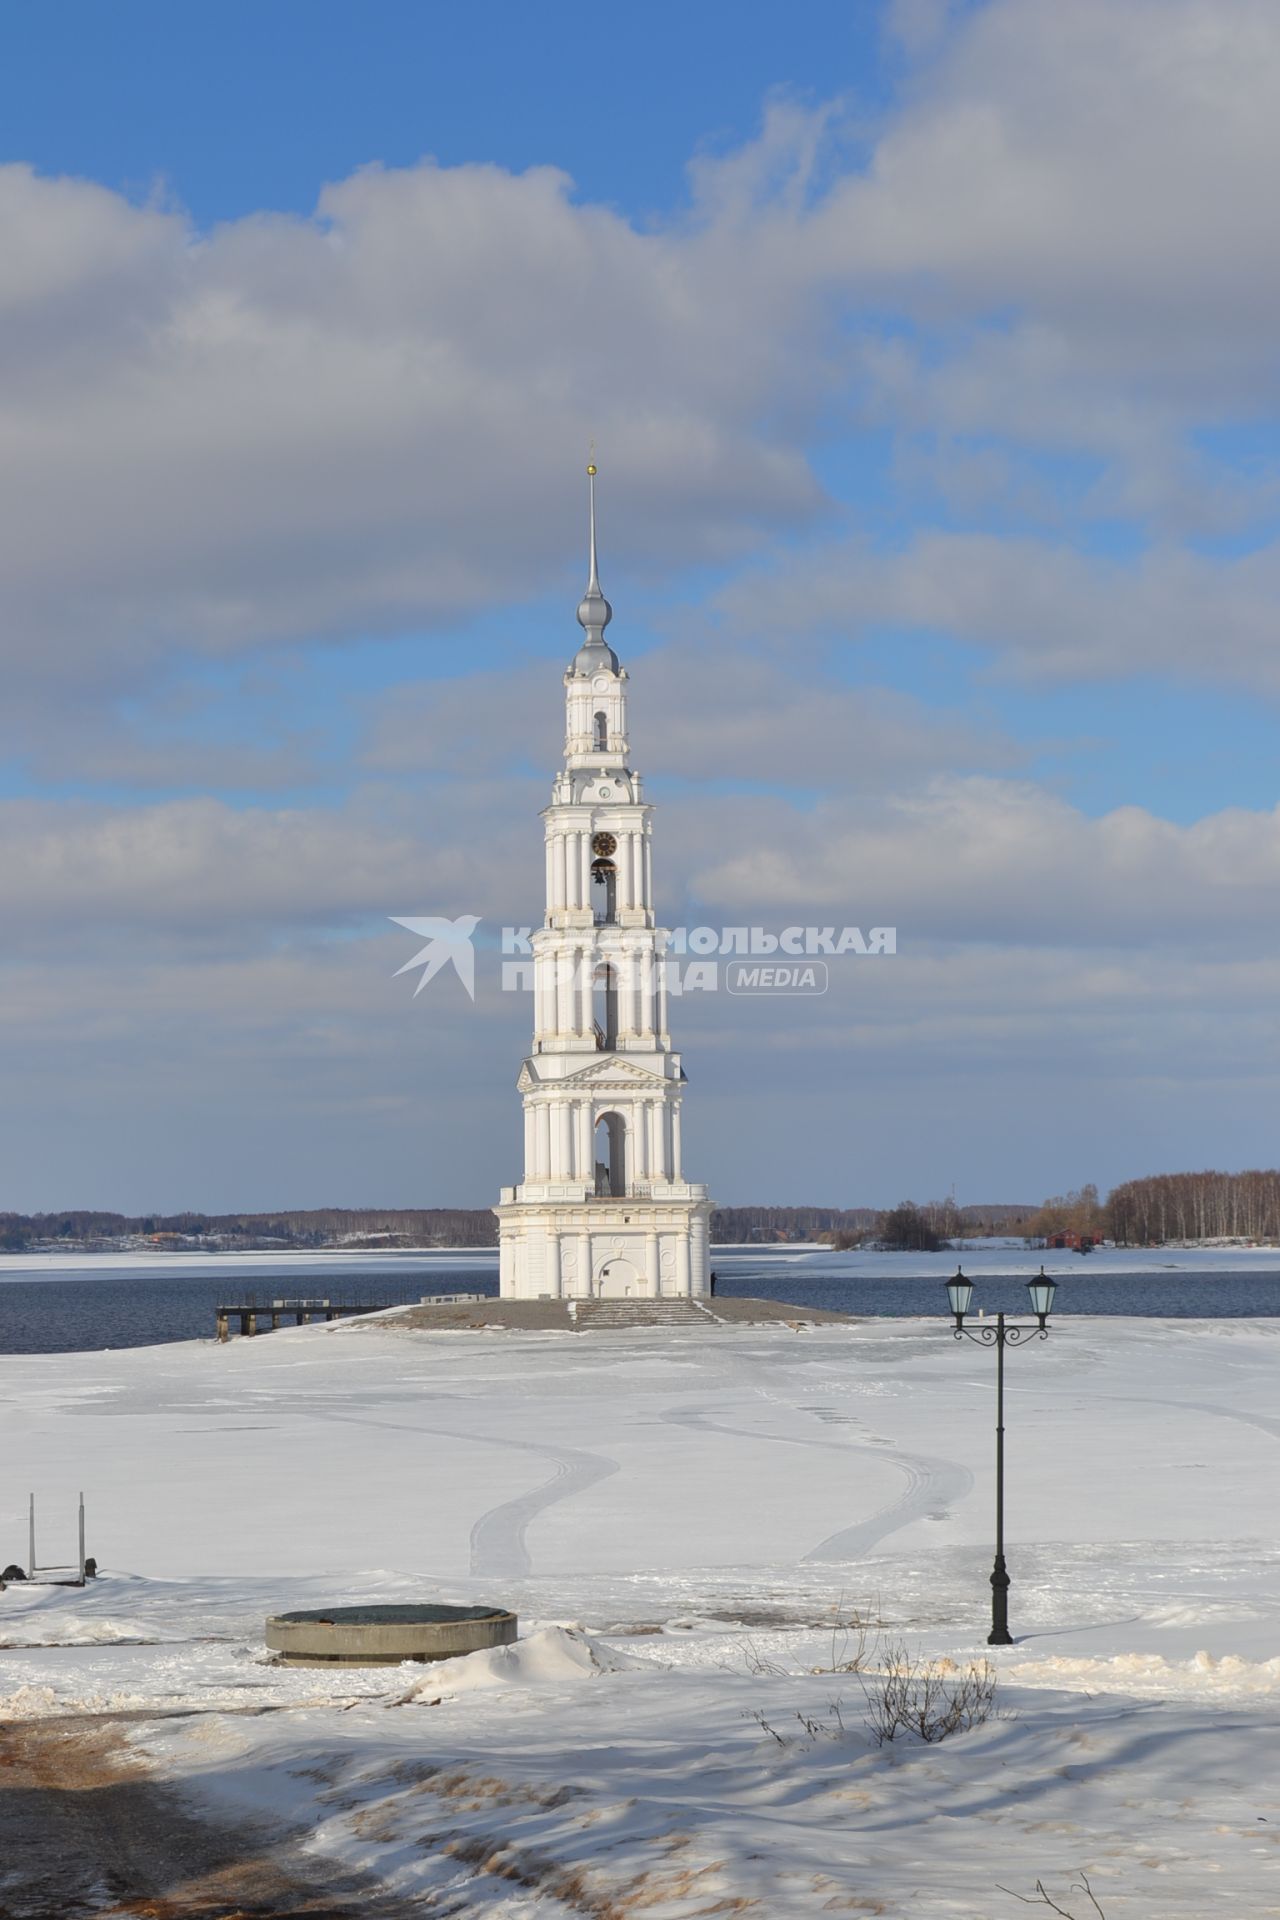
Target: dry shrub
928,1698
1042,1898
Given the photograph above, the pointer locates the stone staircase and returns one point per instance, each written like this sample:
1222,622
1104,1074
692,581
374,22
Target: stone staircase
600,1316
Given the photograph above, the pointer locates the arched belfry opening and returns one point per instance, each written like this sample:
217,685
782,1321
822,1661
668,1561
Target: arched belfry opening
611,1157
604,1003
604,880
600,741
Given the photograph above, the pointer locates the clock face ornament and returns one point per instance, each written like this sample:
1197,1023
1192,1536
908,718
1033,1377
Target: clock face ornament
603,845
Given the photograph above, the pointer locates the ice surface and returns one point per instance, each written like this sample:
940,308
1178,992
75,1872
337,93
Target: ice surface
683,1526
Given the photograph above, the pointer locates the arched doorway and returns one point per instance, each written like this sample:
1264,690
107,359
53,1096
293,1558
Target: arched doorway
620,1279
601,732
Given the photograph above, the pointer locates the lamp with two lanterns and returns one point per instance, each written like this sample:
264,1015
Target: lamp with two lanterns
1003,1333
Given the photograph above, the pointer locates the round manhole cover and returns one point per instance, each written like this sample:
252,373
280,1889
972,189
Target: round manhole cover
384,1636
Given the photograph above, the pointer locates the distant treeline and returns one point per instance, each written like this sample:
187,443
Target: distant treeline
403,1226
461,1226
1195,1206
788,1223
308,1227
1168,1206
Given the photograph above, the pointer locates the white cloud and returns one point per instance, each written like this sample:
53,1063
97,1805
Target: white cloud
1043,608
699,711
991,861
220,875
290,428
1105,165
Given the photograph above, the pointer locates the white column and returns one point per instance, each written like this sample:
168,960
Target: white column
564,1141
583,964
640,1134
585,1171
553,1264
551,873
564,993
584,1263
543,1112
683,1277
540,1021
660,1015
648,872
652,1271
530,1142
657,1155
701,1256
626,871
558,871
676,1161
584,868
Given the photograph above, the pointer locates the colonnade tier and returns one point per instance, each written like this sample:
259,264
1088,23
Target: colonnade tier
595,730
574,832
560,1138
588,985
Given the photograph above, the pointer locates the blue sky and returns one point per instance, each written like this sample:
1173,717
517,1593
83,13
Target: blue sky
929,355
237,107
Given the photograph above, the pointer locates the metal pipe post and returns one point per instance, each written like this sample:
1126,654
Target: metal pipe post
999,1635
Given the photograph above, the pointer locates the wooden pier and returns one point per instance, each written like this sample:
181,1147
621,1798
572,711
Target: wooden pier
301,1312
250,1313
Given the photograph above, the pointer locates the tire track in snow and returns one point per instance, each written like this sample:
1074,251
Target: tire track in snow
1259,1420
931,1482
498,1544
498,1537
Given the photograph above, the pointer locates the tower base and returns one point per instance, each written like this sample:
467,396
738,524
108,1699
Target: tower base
606,1249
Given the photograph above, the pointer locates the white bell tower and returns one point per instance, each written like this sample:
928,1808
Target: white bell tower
604,1209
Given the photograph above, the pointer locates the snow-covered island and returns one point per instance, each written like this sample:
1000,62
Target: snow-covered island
686,1525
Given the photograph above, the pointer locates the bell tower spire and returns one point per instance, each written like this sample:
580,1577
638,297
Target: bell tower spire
594,611
593,584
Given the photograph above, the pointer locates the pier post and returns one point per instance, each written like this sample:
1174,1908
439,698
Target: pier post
224,1330
249,1322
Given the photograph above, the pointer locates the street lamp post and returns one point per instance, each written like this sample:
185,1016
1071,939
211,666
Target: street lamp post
1004,1334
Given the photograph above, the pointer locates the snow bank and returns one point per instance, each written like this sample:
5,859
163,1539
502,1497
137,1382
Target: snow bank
549,1657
